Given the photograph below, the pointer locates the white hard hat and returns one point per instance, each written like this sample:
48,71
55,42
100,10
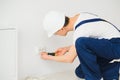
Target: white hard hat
53,22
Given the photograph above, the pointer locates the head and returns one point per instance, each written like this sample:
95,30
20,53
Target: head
65,28
56,23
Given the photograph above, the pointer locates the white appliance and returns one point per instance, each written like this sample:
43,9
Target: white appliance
8,54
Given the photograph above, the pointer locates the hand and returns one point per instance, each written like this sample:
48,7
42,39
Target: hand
44,55
61,51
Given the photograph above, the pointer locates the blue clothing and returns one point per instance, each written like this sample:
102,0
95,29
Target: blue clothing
95,56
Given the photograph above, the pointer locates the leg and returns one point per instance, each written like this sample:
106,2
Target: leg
79,72
88,61
88,49
110,71
102,47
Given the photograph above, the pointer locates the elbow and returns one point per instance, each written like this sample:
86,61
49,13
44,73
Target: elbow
69,61
66,61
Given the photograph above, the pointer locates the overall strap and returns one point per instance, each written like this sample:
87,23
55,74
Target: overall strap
93,20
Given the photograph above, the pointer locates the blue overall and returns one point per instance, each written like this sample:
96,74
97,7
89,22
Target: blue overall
95,56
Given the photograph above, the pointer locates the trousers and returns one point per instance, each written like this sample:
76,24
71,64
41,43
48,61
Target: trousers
95,56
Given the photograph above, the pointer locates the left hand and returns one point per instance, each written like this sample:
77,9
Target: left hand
44,55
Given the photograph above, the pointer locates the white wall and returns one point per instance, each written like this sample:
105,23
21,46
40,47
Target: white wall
8,53
28,16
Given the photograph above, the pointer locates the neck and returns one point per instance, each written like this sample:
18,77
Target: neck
72,22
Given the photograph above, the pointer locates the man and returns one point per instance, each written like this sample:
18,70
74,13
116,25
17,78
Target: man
96,43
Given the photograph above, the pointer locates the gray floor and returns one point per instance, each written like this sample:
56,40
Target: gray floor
66,75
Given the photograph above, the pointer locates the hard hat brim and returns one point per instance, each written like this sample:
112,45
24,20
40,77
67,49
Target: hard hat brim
53,22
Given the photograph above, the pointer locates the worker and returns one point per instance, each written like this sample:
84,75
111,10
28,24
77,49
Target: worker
96,42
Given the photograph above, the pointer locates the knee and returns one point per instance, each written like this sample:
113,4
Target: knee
80,42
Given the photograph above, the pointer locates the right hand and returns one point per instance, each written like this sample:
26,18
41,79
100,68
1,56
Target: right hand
44,55
61,51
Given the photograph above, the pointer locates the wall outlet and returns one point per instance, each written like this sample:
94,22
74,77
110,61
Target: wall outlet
40,49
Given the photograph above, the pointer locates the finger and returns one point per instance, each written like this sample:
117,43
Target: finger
59,49
43,53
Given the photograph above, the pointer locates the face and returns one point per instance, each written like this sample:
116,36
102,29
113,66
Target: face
62,32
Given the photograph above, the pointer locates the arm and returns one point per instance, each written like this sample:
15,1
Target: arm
62,51
68,57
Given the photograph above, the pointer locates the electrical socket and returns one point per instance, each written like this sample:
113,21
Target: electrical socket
40,49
